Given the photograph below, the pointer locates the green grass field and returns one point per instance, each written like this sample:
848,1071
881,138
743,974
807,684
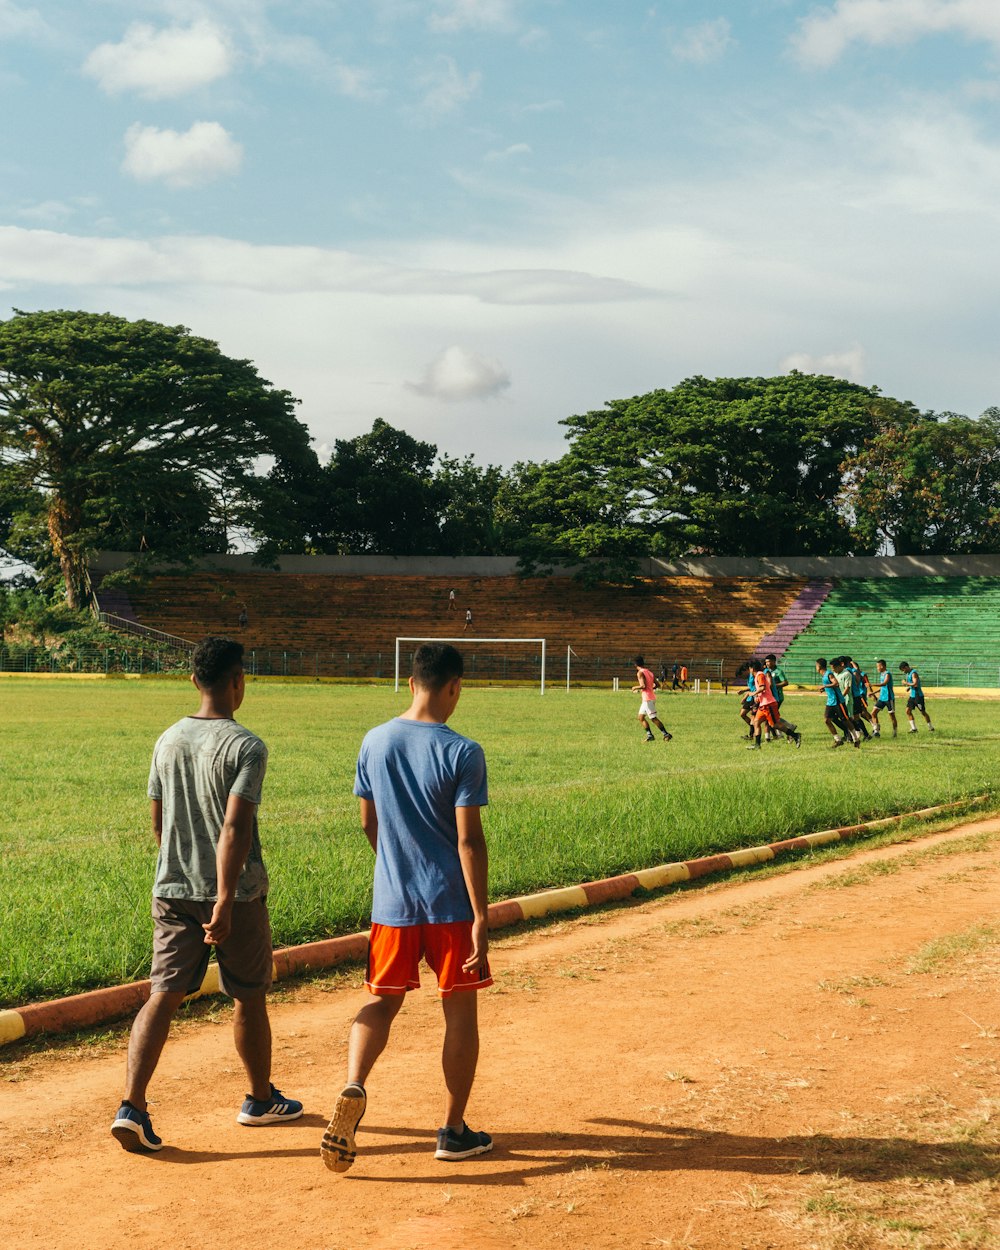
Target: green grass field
575,794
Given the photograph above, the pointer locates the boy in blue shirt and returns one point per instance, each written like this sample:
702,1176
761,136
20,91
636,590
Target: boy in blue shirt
886,700
915,697
421,788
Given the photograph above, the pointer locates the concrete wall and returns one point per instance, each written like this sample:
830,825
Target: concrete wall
506,566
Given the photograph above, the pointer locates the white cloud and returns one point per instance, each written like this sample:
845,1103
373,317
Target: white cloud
203,152
450,16
20,23
850,364
824,36
446,87
458,374
45,256
708,41
161,63
356,82
504,154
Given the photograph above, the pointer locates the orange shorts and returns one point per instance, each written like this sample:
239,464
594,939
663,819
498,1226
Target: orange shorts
767,714
394,958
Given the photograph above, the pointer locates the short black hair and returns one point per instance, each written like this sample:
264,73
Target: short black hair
771,657
215,660
435,664
757,666
820,660
904,666
638,660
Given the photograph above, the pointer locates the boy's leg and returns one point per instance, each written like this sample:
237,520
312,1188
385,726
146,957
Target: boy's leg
252,1036
146,1042
369,1035
661,727
460,1053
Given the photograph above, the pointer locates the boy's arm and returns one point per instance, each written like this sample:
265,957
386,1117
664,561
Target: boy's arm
369,822
230,856
156,815
475,863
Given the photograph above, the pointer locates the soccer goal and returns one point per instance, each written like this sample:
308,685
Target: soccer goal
468,642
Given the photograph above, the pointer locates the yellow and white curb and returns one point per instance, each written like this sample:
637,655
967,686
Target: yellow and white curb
65,1015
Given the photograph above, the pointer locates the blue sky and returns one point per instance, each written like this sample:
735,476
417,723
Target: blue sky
473,218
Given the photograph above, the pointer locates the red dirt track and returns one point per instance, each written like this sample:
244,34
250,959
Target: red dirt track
678,1073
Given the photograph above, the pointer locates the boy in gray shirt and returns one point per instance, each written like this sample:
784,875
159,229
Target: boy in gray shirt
210,890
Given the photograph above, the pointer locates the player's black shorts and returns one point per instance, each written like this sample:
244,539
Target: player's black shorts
885,705
916,700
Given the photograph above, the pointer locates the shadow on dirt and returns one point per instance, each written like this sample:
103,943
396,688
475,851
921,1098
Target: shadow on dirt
631,1145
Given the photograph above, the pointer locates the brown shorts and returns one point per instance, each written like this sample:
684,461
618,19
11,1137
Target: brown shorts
180,953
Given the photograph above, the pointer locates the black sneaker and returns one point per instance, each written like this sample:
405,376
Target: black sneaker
650,738
338,1149
797,739
667,737
452,1145
134,1130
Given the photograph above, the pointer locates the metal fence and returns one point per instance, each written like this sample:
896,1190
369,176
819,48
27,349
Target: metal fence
25,659
502,667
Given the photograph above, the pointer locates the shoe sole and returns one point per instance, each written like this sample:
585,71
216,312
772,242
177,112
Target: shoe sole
463,1154
338,1149
130,1138
272,1117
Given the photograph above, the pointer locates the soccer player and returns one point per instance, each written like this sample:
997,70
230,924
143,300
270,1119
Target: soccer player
421,788
835,714
778,679
886,701
915,697
210,890
646,686
859,706
767,708
748,700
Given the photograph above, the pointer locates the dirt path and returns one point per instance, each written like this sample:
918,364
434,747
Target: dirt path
776,1062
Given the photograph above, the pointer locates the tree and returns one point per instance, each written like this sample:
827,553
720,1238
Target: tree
135,430
725,466
926,484
378,495
468,521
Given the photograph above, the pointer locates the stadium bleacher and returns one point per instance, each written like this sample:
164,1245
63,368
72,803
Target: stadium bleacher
947,627
324,618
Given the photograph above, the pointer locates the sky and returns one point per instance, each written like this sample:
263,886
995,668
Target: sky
474,218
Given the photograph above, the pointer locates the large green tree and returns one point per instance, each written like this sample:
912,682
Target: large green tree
724,466
135,434
926,483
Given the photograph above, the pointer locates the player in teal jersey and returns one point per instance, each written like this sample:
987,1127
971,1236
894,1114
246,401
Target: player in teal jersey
835,714
859,691
915,697
886,698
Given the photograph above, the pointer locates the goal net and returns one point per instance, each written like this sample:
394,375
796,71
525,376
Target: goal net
500,661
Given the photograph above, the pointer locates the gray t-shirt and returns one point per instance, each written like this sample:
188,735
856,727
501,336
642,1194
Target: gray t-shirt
197,764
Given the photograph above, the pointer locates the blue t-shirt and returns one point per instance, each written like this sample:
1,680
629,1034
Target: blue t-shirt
832,688
857,683
913,681
885,687
416,773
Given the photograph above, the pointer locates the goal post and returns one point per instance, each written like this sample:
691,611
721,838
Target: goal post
538,642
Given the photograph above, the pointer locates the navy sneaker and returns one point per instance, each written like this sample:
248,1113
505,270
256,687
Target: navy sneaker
134,1129
452,1145
273,1110
338,1149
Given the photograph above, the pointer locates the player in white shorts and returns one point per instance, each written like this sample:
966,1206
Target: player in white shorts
646,686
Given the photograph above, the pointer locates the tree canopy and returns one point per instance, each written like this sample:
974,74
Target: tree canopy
134,434
143,437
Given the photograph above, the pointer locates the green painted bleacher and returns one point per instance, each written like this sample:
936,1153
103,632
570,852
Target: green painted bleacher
946,627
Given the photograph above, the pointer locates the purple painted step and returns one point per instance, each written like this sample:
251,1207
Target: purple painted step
799,616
